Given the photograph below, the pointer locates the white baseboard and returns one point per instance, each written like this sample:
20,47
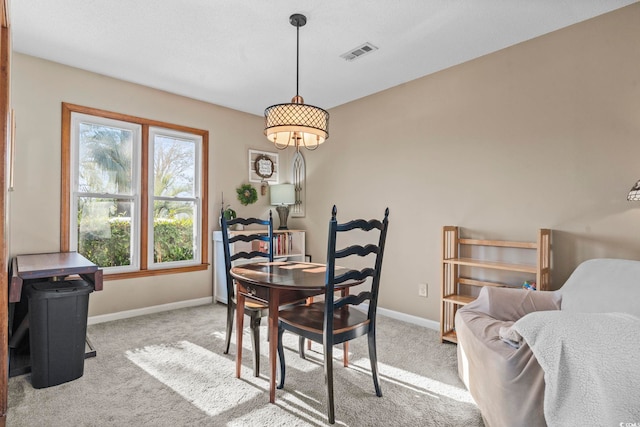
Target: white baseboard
420,321
92,320
415,320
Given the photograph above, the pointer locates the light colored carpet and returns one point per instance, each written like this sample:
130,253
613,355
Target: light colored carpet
168,369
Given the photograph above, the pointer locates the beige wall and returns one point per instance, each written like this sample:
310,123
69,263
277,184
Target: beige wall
39,88
542,134
545,134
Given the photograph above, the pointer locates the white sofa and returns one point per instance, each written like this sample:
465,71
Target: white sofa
577,350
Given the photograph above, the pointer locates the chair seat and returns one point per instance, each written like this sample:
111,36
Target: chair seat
254,305
311,318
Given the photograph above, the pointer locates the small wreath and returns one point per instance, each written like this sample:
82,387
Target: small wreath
247,194
263,166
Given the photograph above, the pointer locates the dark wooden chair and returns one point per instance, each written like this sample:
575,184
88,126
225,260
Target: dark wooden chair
253,309
334,321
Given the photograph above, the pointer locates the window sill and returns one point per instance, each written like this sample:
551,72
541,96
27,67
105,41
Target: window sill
156,272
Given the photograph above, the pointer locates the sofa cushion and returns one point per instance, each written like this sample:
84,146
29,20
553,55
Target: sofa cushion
510,304
603,285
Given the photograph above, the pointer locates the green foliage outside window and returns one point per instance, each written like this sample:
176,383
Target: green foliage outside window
173,239
110,251
173,242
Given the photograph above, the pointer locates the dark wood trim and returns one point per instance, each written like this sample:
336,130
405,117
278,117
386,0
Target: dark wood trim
67,109
5,135
4,14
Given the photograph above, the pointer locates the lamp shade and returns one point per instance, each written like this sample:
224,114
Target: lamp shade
283,194
296,124
634,193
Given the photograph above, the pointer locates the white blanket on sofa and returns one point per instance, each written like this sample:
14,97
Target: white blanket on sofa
591,364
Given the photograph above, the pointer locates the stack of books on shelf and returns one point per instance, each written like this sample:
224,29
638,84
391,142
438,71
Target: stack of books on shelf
282,244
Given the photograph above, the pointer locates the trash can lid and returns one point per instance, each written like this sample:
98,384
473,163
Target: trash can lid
58,289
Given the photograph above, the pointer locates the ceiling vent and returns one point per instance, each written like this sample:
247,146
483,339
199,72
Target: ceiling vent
359,52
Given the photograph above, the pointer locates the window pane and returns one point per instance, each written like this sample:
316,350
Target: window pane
105,159
174,231
174,163
105,231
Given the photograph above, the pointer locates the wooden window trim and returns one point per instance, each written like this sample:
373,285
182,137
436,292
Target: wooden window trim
65,214
6,136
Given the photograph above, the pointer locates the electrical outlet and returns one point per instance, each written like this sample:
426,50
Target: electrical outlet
422,290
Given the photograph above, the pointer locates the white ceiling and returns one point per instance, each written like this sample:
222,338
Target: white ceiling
242,53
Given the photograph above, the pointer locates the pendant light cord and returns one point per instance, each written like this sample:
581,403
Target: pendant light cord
297,57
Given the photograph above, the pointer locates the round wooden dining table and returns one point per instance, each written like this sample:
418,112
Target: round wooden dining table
277,283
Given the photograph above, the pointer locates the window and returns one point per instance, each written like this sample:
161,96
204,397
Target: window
133,192
173,196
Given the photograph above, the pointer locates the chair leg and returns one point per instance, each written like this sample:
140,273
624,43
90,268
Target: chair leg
255,342
301,346
309,302
345,354
281,358
230,315
373,358
328,376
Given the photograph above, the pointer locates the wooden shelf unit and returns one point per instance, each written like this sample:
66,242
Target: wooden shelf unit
453,246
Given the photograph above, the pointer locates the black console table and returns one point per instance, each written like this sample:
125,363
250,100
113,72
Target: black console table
38,267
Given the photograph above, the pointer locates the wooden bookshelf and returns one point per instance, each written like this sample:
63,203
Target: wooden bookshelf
453,282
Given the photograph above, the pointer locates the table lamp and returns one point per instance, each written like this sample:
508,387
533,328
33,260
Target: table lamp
283,195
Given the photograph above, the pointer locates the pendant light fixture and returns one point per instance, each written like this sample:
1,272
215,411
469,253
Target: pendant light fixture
634,193
296,124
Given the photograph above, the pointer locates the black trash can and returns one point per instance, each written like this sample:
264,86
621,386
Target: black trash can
57,330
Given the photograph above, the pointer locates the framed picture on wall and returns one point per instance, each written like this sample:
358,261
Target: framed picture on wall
263,167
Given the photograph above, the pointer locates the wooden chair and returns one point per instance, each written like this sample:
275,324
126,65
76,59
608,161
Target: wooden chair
253,309
334,321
